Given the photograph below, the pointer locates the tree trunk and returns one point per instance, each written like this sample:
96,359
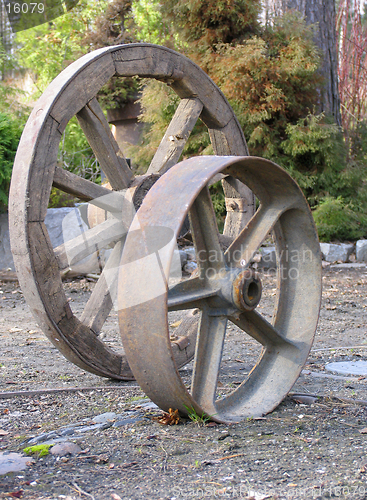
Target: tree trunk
322,14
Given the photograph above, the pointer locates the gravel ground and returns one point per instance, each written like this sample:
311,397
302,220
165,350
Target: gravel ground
310,447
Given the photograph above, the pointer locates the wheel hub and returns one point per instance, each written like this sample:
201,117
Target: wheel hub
247,290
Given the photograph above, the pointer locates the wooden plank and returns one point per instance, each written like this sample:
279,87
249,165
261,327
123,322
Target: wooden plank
104,293
77,186
82,86
106,149
89,242
229,140
240,201
148,61
175,138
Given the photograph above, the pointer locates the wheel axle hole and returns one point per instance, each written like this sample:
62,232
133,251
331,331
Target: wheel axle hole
251,293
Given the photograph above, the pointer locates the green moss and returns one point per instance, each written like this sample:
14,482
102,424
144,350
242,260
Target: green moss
41,450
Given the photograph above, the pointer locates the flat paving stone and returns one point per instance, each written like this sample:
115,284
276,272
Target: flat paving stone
348,367
13,462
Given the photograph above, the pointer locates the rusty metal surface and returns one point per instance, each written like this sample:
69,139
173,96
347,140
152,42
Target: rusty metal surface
224,290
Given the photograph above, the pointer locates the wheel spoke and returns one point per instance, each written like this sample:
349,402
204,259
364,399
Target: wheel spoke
112,201
209,253
261,330
208,356
104,293
244,247
88,242
106,149
77,186
177,133
188,294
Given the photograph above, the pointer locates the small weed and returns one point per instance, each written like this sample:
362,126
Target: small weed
197,463
202,419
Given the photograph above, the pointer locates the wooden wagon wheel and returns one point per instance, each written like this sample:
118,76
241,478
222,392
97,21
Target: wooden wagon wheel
36,170
225,289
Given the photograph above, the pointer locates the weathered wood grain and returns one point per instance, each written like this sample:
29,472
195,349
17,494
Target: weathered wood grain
175,138
82,87
89,242
104,293
77,186
104,145
184,76
230,141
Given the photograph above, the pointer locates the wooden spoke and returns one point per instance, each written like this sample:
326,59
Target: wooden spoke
208,356
88,242
77,186
244,247
101,301
175,138
205,234
261,330
189,294
101,140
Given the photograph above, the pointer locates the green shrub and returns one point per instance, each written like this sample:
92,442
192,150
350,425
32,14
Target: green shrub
335,220
10,132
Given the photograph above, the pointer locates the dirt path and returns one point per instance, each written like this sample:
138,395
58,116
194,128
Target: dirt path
307,448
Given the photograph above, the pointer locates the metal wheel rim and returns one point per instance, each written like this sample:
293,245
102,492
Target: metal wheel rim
143,321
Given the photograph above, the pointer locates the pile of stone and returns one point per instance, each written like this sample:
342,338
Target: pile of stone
64,224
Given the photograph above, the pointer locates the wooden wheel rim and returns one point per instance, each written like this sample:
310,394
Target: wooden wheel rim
35,170
286,343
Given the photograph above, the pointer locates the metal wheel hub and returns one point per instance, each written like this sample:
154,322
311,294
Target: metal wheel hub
247,290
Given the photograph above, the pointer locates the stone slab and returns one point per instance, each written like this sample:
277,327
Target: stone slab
348,367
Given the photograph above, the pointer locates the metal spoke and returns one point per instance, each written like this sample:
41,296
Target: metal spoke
208,357
106,149
261,330
188,294
204,227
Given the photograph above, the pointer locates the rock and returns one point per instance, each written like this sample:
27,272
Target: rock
66,448
190,267
67,432
191,253
361,250
348,265
149,405
13,462
62,224
104,418
96,427
183,257
126,421
268,258
6,258
332,252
